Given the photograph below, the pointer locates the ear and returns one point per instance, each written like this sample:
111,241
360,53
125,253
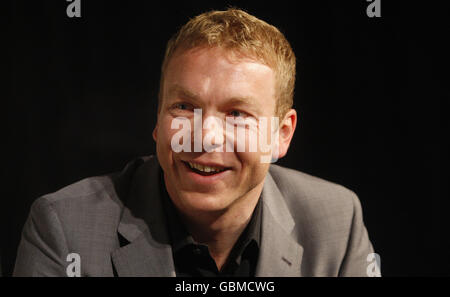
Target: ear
286,132
155,132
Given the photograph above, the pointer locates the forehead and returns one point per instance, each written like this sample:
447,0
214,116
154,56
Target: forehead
216,73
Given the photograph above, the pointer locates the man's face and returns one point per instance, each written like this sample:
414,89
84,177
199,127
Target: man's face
207,79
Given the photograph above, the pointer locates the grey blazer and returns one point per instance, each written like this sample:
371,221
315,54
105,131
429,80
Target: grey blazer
116,223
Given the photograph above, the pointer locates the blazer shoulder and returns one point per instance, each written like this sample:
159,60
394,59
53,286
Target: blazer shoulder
328,223
306,186
76,218
321,207
108,187
87,187
94,203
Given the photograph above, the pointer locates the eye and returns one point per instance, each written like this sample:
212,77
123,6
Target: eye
182,106
237,113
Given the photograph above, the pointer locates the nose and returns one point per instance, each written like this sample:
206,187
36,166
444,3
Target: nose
213,134
208,132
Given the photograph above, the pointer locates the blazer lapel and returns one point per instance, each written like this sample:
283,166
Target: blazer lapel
280,254
148,252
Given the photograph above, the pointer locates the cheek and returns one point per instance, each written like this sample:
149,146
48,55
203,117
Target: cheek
163,142
165,132
252,170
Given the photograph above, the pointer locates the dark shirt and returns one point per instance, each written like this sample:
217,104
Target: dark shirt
193,259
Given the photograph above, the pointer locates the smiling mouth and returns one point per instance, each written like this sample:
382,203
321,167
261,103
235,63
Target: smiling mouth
203,169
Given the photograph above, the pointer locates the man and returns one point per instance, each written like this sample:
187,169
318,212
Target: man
206,204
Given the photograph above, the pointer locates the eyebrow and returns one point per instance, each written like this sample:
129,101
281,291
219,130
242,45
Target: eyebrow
179,90
247,101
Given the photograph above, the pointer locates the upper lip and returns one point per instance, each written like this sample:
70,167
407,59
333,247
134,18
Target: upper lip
209,164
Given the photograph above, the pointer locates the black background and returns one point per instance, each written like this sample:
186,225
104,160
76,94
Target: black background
81,96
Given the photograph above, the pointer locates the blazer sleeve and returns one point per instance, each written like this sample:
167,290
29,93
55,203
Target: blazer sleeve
42,250
359,258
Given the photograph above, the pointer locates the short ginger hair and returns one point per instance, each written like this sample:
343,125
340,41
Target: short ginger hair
239,32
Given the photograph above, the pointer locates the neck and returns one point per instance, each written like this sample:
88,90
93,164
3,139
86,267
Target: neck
220,230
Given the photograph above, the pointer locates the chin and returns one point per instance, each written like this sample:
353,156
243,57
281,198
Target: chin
205,202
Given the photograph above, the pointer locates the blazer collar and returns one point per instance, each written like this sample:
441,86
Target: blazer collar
149,252
280,254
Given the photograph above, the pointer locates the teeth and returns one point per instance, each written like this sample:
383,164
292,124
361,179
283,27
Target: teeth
206,169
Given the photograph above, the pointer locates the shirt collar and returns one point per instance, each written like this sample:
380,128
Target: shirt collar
181,238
